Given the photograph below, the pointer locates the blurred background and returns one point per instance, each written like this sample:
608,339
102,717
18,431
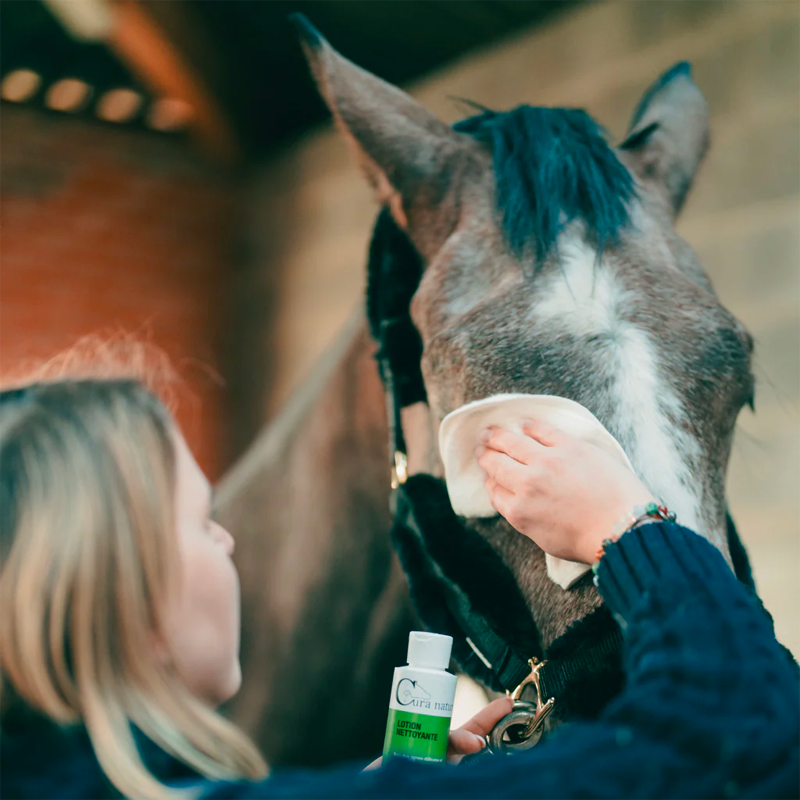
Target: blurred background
167,168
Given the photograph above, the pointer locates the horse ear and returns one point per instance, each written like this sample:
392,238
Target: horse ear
401,146
669,135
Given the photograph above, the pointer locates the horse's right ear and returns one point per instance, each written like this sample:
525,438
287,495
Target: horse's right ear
668,134
402,147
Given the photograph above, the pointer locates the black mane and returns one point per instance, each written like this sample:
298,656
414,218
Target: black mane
552,166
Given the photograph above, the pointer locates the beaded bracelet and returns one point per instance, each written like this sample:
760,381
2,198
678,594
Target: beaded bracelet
639,516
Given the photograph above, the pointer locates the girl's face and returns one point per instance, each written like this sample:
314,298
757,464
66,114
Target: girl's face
201,625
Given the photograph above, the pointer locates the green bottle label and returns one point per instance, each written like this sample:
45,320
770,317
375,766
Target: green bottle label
421,737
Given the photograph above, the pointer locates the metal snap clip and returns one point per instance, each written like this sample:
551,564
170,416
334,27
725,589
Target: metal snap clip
522,728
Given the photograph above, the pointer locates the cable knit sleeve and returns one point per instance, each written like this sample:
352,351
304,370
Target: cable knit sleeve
705,674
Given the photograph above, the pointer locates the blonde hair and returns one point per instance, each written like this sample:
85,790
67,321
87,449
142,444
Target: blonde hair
89,557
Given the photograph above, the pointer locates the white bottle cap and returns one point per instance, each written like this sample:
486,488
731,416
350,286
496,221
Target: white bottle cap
429,649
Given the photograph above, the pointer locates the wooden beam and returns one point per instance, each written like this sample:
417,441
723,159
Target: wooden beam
143,46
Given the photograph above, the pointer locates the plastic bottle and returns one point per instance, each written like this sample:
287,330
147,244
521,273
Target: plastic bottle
421,703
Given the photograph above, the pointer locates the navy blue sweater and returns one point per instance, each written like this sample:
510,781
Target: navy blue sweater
710,707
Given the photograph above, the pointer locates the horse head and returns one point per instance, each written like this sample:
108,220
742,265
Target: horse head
550,265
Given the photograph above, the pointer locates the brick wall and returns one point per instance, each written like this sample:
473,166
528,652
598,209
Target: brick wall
311,214
106,229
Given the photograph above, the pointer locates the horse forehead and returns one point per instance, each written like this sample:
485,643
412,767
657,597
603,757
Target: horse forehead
475,286
578,292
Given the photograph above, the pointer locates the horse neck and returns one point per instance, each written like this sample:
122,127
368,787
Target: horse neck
323,598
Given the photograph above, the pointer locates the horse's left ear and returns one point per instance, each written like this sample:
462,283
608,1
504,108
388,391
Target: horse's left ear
669,135
402,147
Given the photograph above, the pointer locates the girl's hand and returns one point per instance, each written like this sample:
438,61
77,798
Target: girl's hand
471,737
564,493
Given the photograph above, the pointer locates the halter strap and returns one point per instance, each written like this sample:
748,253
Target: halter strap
421,511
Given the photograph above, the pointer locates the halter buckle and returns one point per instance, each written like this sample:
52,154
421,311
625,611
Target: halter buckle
399,469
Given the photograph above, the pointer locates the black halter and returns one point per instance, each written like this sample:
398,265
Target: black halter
458,584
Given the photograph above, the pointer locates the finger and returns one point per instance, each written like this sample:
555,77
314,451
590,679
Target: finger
521,448
483,722
463,743
500,497
542,432
505,470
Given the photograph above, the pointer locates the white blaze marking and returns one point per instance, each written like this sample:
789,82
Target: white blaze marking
660,451
583,295
586,299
